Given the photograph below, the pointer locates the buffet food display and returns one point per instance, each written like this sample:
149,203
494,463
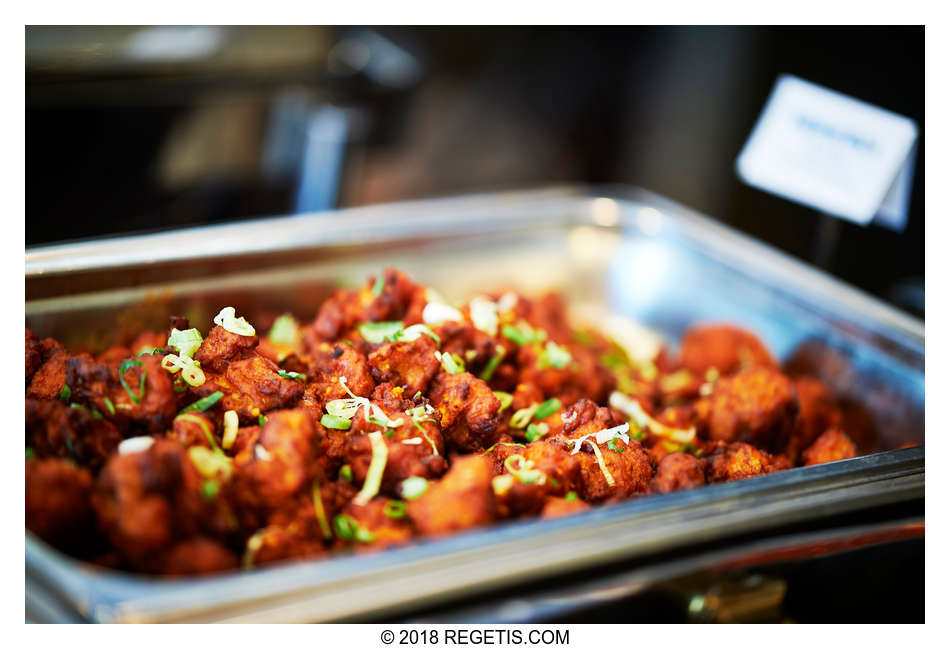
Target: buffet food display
391,415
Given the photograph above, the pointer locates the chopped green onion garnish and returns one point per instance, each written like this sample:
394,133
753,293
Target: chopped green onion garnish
332,421
388,432
123,367
319,511
417,395
689,448
377,332
395,509
612,445
348,529
96,414
109,406
639,435
186,342
547,408
374,475
65,393
345,526
261,420
451,363
522,417
412,488
179,385
534,432
489,370
146,351
231,425
284,330
346,473
492,447
523,335
240,326
571,495
378,286
205,427
30,453
292,375
209,489
505,398
203,404
554,355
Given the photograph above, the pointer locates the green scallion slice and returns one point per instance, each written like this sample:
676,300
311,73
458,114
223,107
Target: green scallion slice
378,332
378,286
523,335
571,496
547,408
284,330
209,489
533,432
493,364
554,355
109,406
261,420
186,342
65,394
332,421
412,488
203,404
345,526
505,398
395,509
292,375
123,367
346,473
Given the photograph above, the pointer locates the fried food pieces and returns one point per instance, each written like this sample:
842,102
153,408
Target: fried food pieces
390,416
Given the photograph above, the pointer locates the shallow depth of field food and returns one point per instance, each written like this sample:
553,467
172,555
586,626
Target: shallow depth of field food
389,415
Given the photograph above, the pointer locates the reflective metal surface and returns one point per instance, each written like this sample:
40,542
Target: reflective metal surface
613,253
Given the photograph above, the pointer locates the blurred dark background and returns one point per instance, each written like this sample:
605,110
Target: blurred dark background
132,128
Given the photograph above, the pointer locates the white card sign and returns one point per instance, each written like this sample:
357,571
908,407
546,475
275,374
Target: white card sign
831,152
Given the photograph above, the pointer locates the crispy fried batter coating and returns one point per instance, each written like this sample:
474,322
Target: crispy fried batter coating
630,470
384,530
737,461
833,445
34,354
677,471
818,411
463,498
345,309
221,347
724,347
137,499
54,429
331,362
407,364
197,556
49,378
469,409
58,509
558,507
256,387
756,406
284,461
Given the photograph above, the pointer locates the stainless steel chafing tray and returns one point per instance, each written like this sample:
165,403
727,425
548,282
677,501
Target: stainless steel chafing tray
613,253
